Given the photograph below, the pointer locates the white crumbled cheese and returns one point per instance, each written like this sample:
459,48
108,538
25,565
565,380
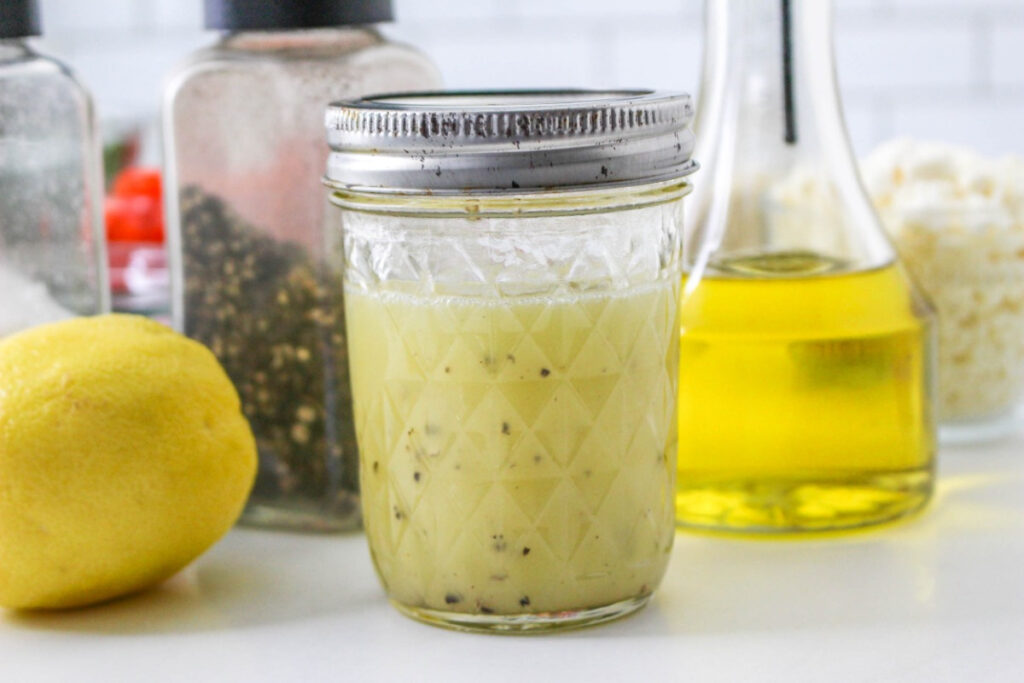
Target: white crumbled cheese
957,219
24,303
796,204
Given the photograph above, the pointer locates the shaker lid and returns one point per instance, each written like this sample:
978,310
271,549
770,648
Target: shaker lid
508,141
268,15
19,18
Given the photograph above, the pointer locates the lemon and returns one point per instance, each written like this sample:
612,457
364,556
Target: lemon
123,456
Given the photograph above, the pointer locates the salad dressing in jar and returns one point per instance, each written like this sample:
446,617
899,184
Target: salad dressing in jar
512,273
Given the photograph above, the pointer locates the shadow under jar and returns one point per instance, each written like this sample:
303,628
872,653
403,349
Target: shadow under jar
512,273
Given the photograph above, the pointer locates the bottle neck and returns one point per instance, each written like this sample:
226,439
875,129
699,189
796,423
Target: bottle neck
14,48
771,70
770,132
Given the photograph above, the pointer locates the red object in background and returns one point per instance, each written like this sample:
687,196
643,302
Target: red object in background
134,216
134,210
136,181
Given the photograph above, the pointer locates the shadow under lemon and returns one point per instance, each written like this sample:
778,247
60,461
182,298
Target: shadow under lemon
251,579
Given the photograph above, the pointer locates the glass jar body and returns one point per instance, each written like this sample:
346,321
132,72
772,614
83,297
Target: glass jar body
243,130
52,260
514,366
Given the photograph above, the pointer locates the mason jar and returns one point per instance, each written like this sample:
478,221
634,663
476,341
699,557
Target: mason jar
511,278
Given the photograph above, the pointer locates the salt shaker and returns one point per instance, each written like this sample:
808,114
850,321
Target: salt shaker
52,260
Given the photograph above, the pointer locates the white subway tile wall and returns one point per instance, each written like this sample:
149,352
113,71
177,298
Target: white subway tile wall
942,69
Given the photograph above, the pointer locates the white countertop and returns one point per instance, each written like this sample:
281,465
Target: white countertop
937,598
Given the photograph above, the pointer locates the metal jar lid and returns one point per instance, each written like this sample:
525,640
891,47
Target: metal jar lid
515,141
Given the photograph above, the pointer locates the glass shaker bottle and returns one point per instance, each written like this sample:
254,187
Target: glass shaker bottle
806,382
512,273
244,154
52,262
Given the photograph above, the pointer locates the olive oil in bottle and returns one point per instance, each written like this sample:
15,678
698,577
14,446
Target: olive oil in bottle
805,381
803,401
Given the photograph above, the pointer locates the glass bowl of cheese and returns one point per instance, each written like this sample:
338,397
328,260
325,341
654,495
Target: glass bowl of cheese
957,218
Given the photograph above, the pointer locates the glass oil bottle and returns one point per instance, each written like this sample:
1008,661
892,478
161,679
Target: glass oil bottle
806,352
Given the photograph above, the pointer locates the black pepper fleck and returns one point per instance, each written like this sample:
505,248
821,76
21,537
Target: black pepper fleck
524,601
506,429
416,476
526,551
544,372
452,598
